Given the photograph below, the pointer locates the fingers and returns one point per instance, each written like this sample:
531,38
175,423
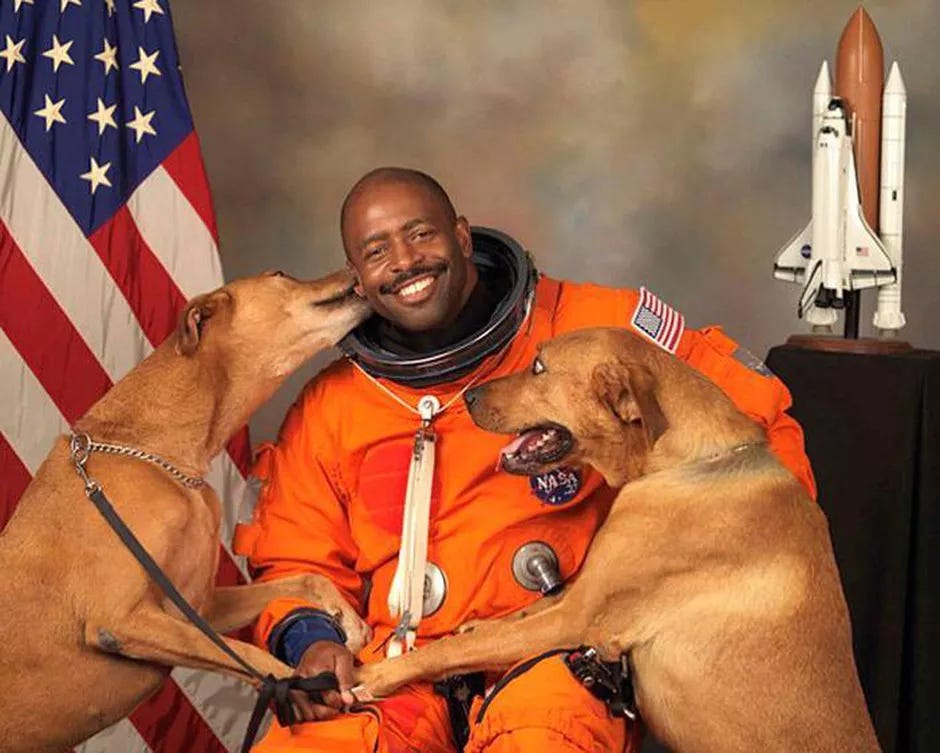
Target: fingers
325,656
343,669
308,711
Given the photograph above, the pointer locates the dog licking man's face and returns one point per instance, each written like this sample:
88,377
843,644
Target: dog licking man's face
271,323
578,402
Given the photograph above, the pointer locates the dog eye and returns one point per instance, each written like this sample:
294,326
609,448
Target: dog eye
537,366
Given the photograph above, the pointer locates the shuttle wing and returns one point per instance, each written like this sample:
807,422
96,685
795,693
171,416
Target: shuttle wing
790,264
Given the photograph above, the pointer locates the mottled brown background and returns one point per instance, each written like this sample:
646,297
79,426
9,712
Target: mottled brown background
664,143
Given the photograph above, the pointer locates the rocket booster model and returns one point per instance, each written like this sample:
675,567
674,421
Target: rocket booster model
840,249
888,314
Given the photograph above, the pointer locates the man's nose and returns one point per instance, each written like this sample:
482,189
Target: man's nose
404,256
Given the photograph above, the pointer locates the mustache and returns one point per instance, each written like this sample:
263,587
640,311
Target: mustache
408,275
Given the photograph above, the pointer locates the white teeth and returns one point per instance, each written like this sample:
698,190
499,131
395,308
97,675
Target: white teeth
415,287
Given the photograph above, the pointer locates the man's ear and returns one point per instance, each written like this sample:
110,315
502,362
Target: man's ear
193,319
628,391
464,237
357,285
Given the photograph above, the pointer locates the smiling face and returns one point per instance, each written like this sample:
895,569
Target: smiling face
410,253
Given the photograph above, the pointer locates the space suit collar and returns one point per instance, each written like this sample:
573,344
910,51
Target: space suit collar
492,250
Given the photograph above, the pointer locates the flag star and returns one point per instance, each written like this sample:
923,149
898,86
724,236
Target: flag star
108,56
110,4
146,64
59,53
141,123
103,116
12,53
66,3
149,7
51,112
97,175
18,3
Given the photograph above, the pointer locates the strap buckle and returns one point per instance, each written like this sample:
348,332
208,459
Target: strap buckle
610,682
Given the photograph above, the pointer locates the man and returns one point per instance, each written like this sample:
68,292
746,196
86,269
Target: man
343,486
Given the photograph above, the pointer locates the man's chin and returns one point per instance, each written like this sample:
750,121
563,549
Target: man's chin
424,317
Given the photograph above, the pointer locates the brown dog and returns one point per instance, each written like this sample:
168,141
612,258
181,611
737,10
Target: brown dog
714,570
86,634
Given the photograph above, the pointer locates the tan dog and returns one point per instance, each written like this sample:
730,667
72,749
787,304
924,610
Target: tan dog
714,569
86,634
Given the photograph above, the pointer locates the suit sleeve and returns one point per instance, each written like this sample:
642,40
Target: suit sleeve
300,523
755,390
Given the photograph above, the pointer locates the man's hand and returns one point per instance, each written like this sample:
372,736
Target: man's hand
325,656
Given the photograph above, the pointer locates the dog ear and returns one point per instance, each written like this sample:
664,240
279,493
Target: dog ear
197,311
629,392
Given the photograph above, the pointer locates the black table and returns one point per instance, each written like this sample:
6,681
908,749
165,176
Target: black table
872,426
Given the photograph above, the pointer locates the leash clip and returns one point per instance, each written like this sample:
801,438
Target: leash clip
610,683
79,450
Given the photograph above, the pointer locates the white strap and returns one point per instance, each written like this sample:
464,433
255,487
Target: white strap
406,594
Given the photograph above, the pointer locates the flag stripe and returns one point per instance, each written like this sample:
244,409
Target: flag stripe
677,334
121,737
15,480
141,278
195,268
53,243
33,422
239,449
213,694
169,723
44,336
228,483
185,167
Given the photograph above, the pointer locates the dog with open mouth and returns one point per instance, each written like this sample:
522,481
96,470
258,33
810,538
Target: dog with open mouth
713,571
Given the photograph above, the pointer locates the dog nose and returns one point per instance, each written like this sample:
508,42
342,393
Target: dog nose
471,396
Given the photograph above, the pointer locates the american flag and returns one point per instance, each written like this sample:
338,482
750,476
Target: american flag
658,321
106,229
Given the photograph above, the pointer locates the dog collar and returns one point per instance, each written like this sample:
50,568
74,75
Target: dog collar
493,249
81,446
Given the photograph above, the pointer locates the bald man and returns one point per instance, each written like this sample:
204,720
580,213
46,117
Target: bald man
454,305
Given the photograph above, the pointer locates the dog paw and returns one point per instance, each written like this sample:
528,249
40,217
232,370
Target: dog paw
373,681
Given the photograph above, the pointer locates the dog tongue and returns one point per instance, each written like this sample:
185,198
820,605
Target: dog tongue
532,434
510,448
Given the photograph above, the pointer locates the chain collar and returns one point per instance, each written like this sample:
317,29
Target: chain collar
81,446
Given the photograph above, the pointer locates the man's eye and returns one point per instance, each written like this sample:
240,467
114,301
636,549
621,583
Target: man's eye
537,366
371,253
423,235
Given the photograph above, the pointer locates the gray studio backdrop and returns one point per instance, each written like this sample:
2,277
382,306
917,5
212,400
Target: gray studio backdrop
664,143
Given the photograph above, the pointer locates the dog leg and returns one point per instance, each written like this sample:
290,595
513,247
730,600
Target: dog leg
491,645
232,607
532,609
152,635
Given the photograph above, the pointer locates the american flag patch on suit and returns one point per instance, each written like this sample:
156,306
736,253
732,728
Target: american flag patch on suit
658,321
106,229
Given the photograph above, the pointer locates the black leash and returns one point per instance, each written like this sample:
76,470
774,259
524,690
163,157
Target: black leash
272,689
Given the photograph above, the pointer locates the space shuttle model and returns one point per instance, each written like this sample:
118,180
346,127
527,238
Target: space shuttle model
853,238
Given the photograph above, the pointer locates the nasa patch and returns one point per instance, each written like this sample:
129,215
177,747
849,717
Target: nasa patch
556,487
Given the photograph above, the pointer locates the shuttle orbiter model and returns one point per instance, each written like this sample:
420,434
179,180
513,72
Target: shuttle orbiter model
839,251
